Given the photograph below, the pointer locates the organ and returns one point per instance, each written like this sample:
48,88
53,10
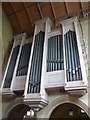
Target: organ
52,61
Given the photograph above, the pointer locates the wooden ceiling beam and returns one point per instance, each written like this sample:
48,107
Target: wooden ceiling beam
39,9
17,16
81,7
53,11
66,8
28,15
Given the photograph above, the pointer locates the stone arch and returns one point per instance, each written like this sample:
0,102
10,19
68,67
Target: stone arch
47,111
17,104
68,110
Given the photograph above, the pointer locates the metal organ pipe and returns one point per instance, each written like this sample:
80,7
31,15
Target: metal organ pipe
61,49
75,57
67,58
58,55
51,53
54,55
36,66
72,56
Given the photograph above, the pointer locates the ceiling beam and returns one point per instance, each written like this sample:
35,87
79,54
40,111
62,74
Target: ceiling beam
28,15
81,7
39,9
17,16
53,11
66,8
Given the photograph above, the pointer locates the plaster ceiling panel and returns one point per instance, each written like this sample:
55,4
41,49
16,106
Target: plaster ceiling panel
46,10
85,5
59,9
22,15
14,20
17,30
8,8
73,7
29,31
33,13
29,4
18,6
24,19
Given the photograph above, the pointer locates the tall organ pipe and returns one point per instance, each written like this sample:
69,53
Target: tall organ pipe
66,54
53,50
61,59
51,53
35,67
58,54
72,55
75,57
40,59
69,56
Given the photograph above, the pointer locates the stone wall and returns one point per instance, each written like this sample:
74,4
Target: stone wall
6,35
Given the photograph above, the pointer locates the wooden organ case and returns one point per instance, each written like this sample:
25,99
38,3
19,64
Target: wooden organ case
75,74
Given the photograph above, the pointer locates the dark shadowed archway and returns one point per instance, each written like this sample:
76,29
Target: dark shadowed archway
19,112
68,110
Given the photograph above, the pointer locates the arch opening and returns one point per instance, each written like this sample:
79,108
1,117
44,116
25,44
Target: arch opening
68,110
22,112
